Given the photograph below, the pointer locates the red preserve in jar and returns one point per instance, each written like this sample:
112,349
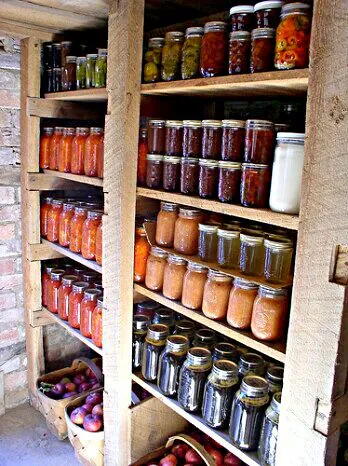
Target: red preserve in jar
64,223
255,185
214,49
189,176
156,137
45,280
142,153
154,171
99,245
76,224
262,50
64,156
233,135
45,142
212,139
171,173
192,138
75,299
63,295
268,13
100,162
44,210
208,178
259,141
55,147
53,220
174,130
94,150
97,323
89,234
242,18
229,182
53,287
78,151
239,52
88,305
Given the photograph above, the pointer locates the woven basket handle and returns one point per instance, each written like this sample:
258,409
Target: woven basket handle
208,460
91,364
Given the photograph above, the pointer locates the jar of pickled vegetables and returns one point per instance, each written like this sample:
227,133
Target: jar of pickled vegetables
192,138
69,74
154,171
228,248
53,220
293,37
89,234
78,151
63,295
165,225
229,181
207,243
242,18
214,49
233,135
262,50
45,141
94,150
44,210
91,59
208,178
76,225
189,176
55,147
191,53
45,280
259,141
75,300
171,173
142,153
251,364
186,231
278,260
268,13
81,64
239,52
100,68
155,266
252,254
173,277
153,59
211,139
141,253
156,136
64,223
97,323
193,286
216,293
154,344
53,288
171,55
240,304
174,133
255,185
64,157
88,305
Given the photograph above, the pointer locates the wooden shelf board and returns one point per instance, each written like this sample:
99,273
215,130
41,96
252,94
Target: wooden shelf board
76,257
76,333
219,436
67,176
273,350
82,95
258,215
271,83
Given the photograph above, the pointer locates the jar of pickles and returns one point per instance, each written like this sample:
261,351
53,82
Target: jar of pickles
267,448
53,220
174,135
255,185
208,178
171,55
214,49
189,176
75,300
44,210
192,138
191,53
186,231
153,58
81,63
94,150
97,323
171,173
64,223
239,52
211,139
78,151
251,364
154,171
259,141
63,295
262,50
278,260
242,18
229,181
268,13
225,351
173,278
140,325
228,248
205,338
193,286
252,254
170,362
153,346
55,147
156,136
100,68
91,58
216,293
76,225
53,289
207,243
274,377
45,141
155,265
141,253
165,225
240,304
89,234
88,305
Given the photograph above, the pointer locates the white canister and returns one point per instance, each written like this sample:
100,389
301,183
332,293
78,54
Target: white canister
287,173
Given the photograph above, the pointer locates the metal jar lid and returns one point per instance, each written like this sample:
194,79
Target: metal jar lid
250,239
212,123
251,360
169,206
241,9
69,279
194,31
245,284
198,356
254,386
219,276
79,287
192,123
157,122
174,123
234,123
263,33
158,331
275,374
207,228
185,325
225,351
189,161
147,306
245,36
230,165
208,163
215,26
176,35
141,322
154,157
57,274
276,401
205,335
171,159
92,293
190,212
267,5
228,233
225,369
159,41
158,252
172,259
177,343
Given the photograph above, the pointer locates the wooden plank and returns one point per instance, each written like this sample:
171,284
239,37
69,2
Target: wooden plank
331,416
40,252
40,318
51,180
339,265
82,95
97,8
17,30
46,108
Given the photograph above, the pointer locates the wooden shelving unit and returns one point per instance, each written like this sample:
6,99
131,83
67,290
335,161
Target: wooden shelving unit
82,95
78,178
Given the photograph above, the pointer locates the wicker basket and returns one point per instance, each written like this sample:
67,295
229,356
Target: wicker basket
53,410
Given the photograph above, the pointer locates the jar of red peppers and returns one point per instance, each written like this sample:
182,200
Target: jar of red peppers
255,185
55,147
211,139
229,181
267,13
89,234
208,178
97,323
99,245
239,52
76,224
53,287
63,295
53,220
141,253
233,135
156,137
262,50
88,305
78,151
64,156
171,55
75,300
189,176
64,223
45,141
174,130
94,150
154,171
242,18
142,152
192,138
171,173
45,279
44,210
259,141
214,49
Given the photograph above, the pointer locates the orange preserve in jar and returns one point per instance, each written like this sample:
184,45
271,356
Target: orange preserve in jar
240,304
75,299
53,220
64,223
216,293
155,265
270,314
99,245
100,165
44,209
88,305
45,142
45,280
193,286
94,149
78,151
63,295
53,287
186,231
141,253
64,156
173,278
76,224
89,234
165,226
55,147
97,323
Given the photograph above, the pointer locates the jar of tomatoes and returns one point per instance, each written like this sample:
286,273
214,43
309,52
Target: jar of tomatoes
89,234
240,304
64,223
99,244
259,141
165,225
100,163
214,49
189,176
155,265
211,139
171,55
255,185
78,151
55,147
63,295
268,13
97,323
53,287
156,136
76,225
192,138
239,52
53,220
88,305
242,18
45,279
142,152
94,150
64,156
174,133
44,210
262,50
45,142
75,300
186,231
216,293
141,253
233,135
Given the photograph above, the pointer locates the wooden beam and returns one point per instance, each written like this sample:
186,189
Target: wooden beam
20,31
96,8
47,108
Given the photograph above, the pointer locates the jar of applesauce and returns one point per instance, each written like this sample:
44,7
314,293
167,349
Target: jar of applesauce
228,248
165,226
252,254
216,293
240,304
193,286
155,265
207,243
186,231
173,278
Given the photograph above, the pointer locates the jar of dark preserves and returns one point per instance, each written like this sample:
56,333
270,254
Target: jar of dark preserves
259,141
255,185
214,49
242,18
211,139
233,135
208,178
154,171
251,364
66,49
226,351
191,53
156,138
153,346
205,338
153,58
171,55
229,181
274,377
140,325
192,138
147,308
268,13
56,55
239,52
47,55
171,173
47,80
56,79
69,74
174,132
267,449
262,50
189,176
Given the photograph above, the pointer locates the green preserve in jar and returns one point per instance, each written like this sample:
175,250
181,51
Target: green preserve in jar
191,53
100,68
90,69
153,58
81,63
171,55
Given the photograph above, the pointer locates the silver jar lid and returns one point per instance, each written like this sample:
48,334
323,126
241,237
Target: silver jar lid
158,331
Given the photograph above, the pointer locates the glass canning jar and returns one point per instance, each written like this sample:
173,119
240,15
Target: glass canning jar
205,338
147,308
262,50
45,141
275,377
278,260
252,254
75,300
228,248
268,13
163,315
88,305
239,52
99,244
171,173
186,328
155,265
90,69
174,134
229,181
156,136
226,351
44,210
193,376
186,231
76,225
242,18
233,135
45,280
57,77
63,295
88,276
94,150
192,138
214,49
171,55
267,448
165,225
140,326
240,304
89,234
255,185
142,153
218,393
211,139
53,220
170,363
64,156
154,344
193,286
216,293
53,288
207,242
152,60
259,141
97,323
78,151
55,147
64,223
101,68
141,253
189,176
154,171
78,271
251,364
81,65
69,74
191,53
270,314
66,48
208,178
173,277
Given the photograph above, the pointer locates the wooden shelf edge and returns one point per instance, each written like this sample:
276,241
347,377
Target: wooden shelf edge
219,436
88,95
273,350
45,178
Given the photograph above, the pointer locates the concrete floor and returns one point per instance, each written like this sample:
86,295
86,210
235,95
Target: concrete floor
25,441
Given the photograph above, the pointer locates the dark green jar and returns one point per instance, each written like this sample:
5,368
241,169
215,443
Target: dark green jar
100,68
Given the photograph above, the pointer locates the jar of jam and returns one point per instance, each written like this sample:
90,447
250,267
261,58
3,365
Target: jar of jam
255,185
64,223
91,58
45,142
270,314
259,141
89,277
53,288
192,138
94,150
53,220
216,293
173,277
165,225
75,300
193,286
186,328
189,176
78,151
101,68
240,304
211,139
228,248
233,135
171,55
153,346
64,157
155,266
89,234
214,49
152,59
171,173
141,253
207,243
226,351
262,50
97,323
76,225
186,231
267,449
55,147
163,315
278,260
275,377
66,49
229,181
205,338
57,79
208,178
63,295
191,53
44,210
252,254
251,364
142,153
268,13
156,136
154,171
174,133
88,305
69,74
242,18
140,326
239,52
81,65
293,37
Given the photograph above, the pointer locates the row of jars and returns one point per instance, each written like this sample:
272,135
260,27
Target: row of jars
209,51
73,224
75,294
73,150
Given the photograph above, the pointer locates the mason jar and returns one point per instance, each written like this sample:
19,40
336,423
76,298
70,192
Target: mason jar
278,260
186,328
228,248
140,325
153,346
251,364
267,449
251,261
274,377
164,316
225,351
205,338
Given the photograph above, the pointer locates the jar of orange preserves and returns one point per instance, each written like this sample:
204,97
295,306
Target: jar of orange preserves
100,165
186,231
155,265
78,151
97,323
64,155
44,209
55,147
45,279
94,149
76,224
63,295
173,277
89,234
99,245
240,304
193,286
53,220
88,305
53,287
141,253
45,142
75,299
216,293
165,226
64,223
